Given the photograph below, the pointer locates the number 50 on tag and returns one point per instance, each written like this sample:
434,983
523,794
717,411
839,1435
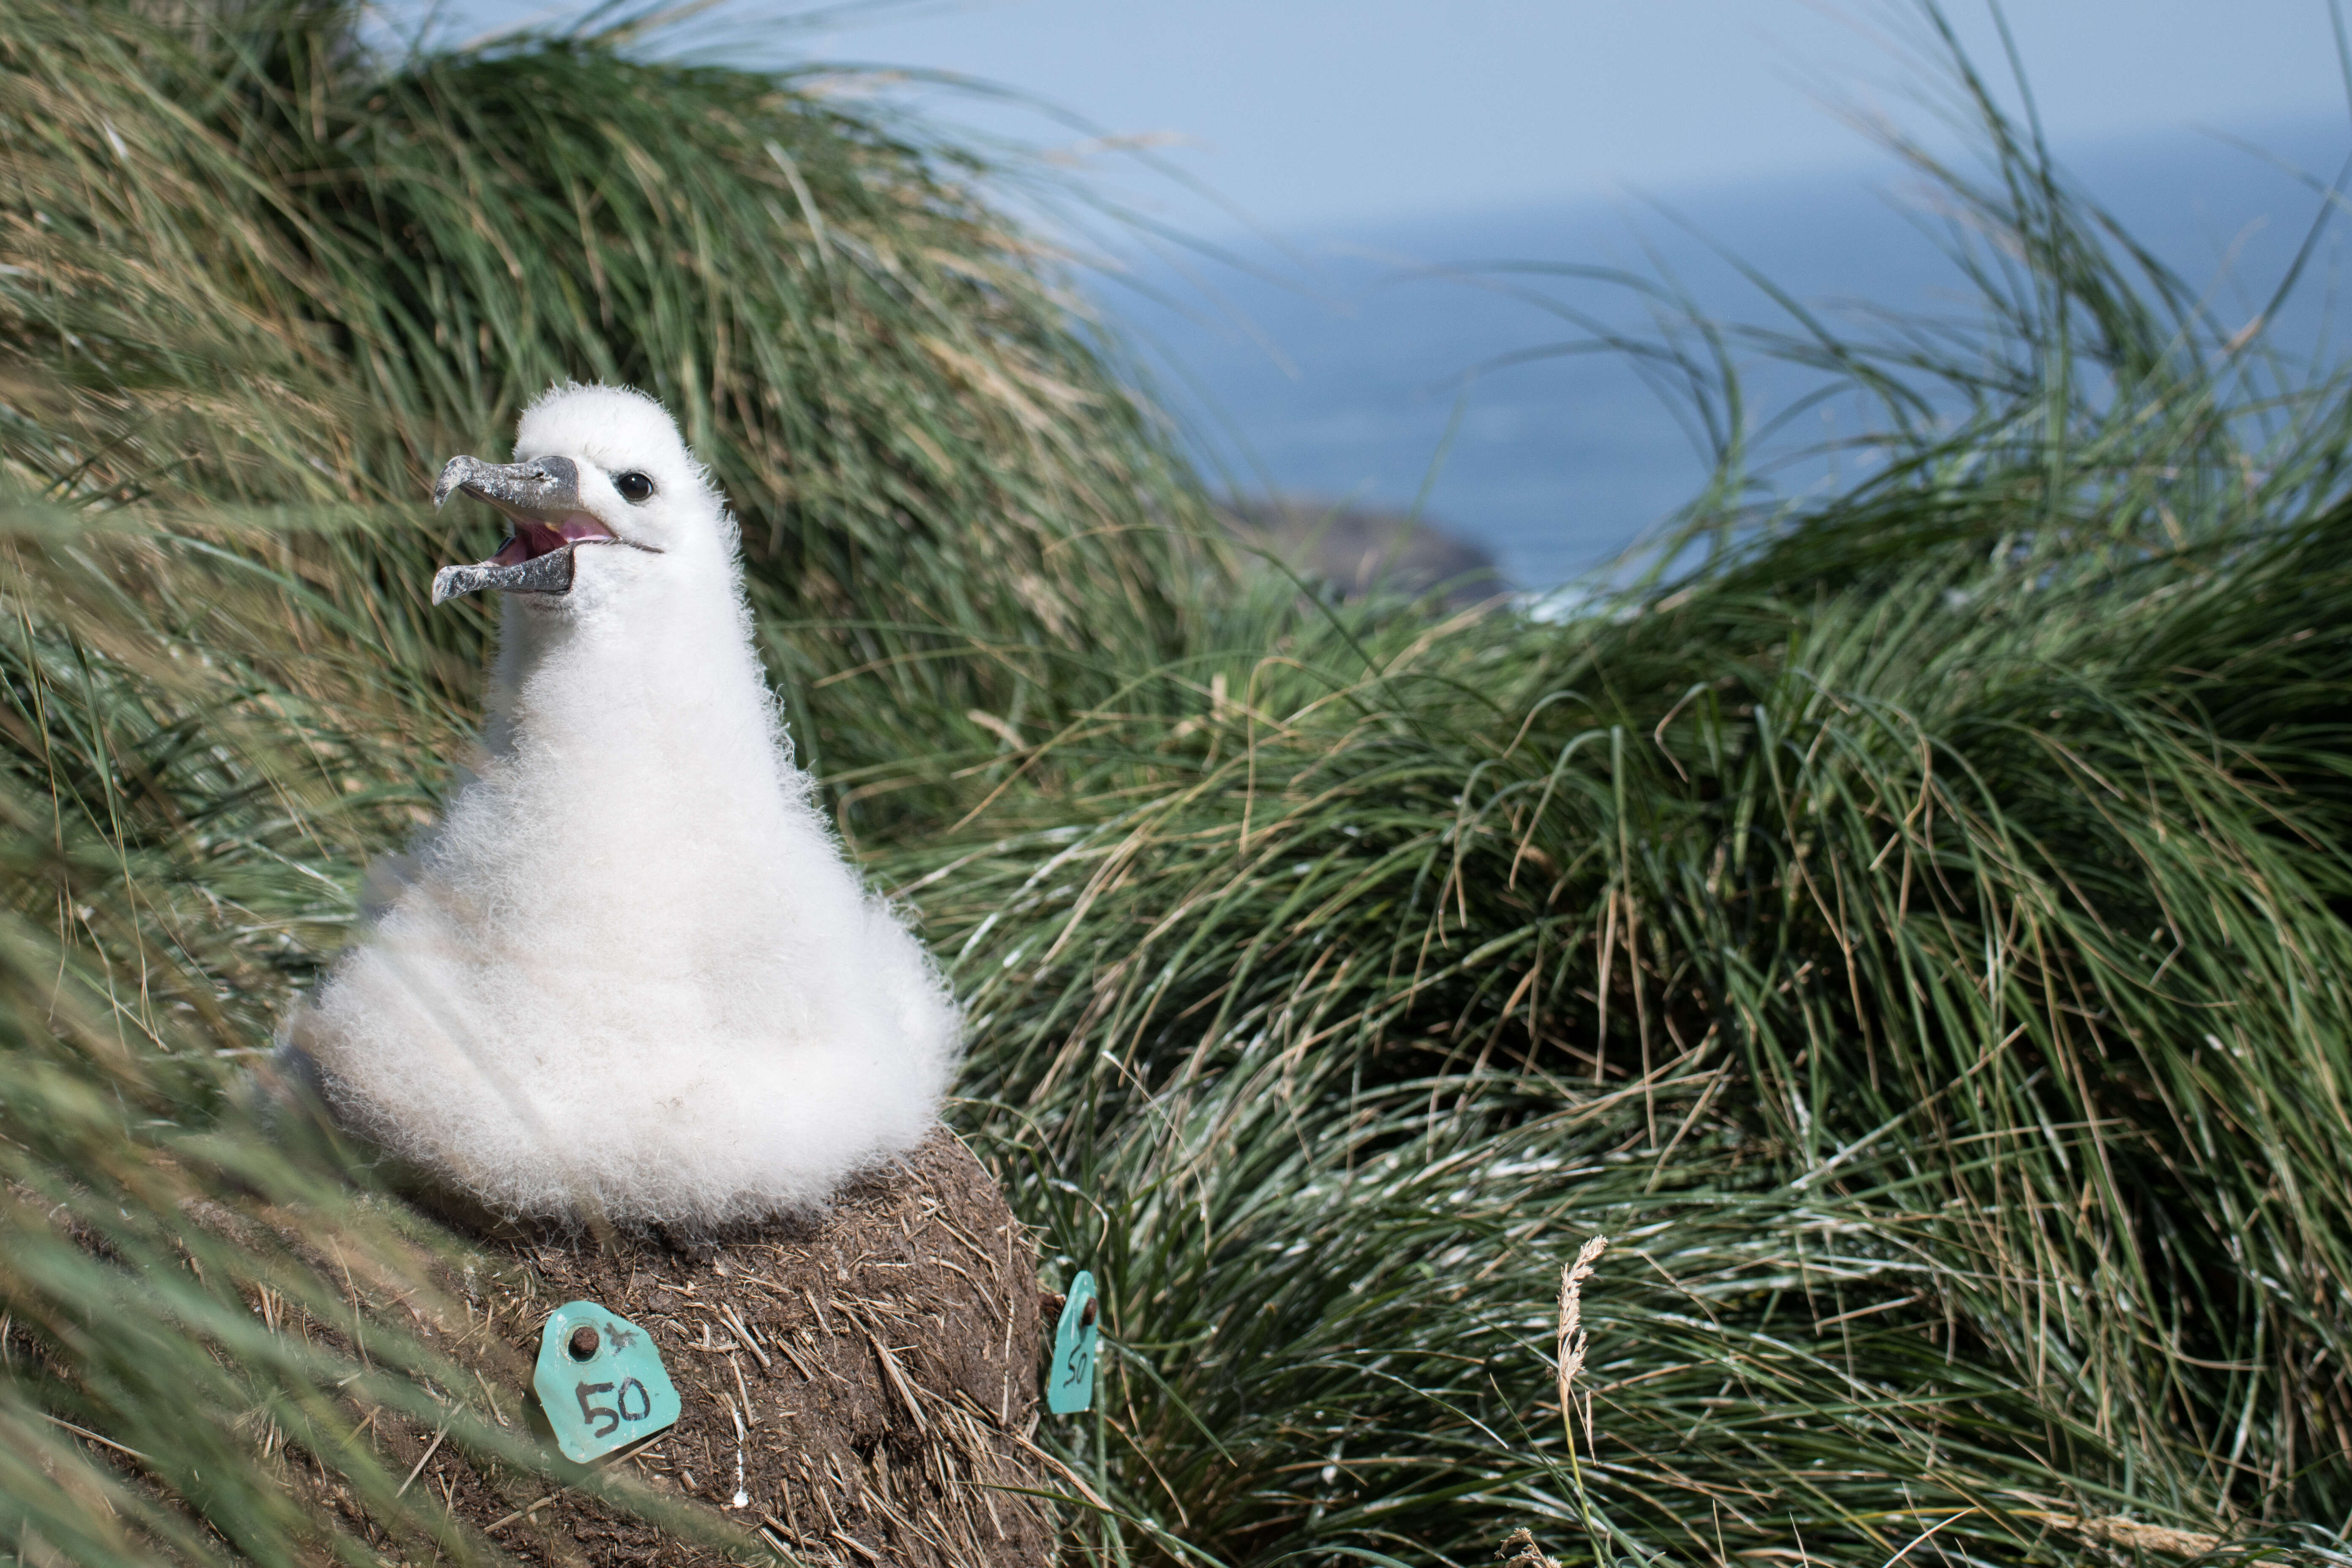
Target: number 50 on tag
600,1382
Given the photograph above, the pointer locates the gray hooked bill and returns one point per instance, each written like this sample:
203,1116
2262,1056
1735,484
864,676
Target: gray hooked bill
540,501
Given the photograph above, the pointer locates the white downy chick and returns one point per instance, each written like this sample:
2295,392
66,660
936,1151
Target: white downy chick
631,972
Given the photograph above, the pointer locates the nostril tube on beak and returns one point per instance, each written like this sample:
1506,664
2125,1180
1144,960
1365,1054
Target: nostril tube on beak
541,486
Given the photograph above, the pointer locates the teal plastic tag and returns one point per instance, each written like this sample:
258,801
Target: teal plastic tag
1070,1380
600,1382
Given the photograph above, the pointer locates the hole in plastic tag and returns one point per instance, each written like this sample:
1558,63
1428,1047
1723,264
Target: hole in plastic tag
1070,1380
600,1382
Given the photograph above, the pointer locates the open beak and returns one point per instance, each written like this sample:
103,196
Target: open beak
540,501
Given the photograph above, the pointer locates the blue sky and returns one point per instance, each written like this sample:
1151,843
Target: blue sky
1311,113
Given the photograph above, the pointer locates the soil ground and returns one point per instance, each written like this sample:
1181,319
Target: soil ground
883,1361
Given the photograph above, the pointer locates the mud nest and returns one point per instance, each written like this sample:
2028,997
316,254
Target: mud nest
883,1363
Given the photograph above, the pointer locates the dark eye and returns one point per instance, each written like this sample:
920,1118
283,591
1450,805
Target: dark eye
634,486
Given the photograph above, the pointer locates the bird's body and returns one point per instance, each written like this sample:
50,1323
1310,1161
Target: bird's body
631,972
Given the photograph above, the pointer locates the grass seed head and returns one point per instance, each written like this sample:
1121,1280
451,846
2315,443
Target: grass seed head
1572,1338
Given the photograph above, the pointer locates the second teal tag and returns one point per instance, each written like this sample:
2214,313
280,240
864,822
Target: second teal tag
1070,1380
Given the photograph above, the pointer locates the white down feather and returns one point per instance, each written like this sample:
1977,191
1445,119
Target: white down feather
631,971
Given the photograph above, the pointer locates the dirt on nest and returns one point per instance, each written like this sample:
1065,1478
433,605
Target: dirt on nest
884,1363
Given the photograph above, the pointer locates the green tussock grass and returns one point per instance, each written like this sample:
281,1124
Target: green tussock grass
1911,925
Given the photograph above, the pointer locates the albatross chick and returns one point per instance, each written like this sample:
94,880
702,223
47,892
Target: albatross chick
630,972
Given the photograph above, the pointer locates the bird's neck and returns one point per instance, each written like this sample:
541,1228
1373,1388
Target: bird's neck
660,698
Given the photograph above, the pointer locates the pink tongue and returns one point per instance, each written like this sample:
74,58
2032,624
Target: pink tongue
533,540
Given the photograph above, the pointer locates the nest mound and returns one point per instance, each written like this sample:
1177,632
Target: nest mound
882,1360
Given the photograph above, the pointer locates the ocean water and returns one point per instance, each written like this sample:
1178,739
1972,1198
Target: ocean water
1451,363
